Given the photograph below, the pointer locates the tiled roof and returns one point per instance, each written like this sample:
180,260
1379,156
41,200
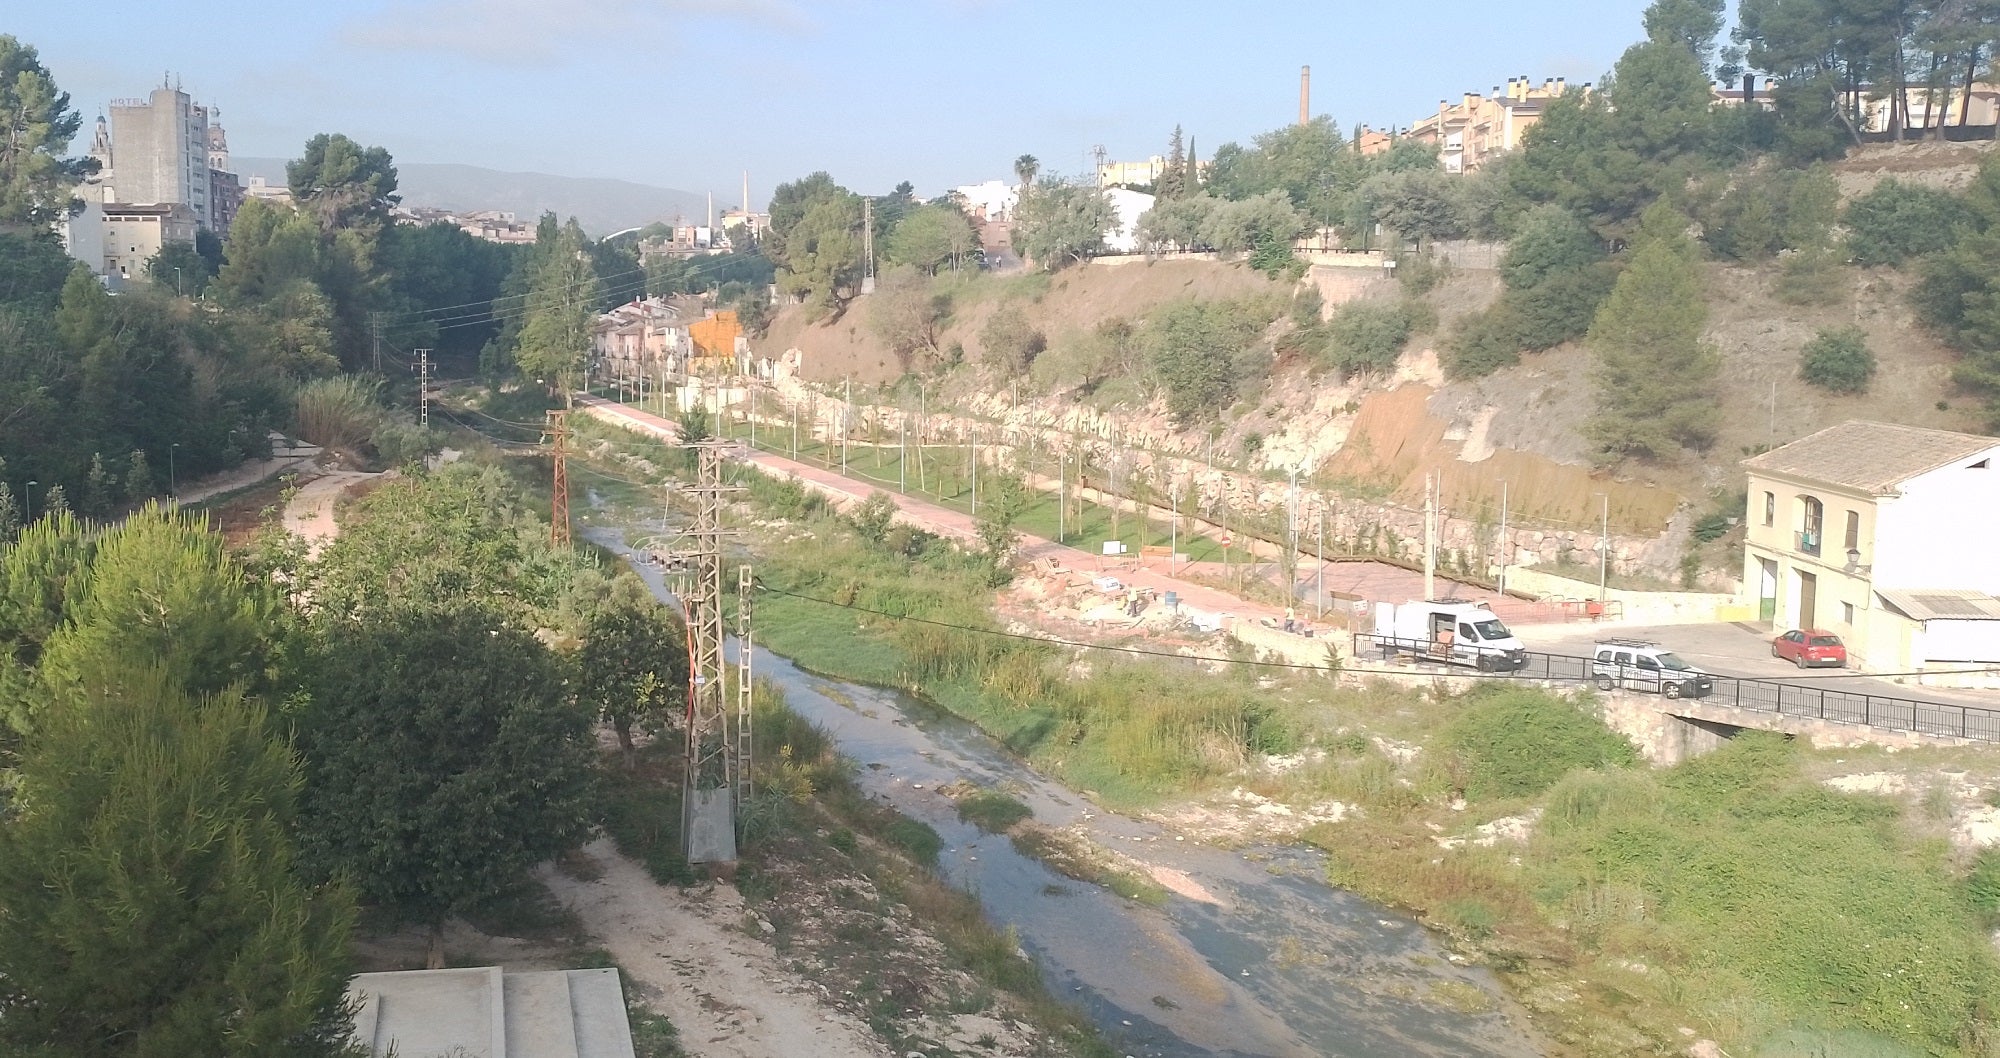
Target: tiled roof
1873,457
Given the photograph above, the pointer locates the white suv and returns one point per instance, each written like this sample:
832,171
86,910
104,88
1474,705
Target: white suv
1648,667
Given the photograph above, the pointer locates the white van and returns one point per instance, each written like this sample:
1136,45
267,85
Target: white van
1645,666
1449,630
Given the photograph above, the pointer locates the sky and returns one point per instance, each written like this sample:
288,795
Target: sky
692,93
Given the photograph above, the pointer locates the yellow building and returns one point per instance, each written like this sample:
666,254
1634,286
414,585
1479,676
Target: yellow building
1469,132
1883,535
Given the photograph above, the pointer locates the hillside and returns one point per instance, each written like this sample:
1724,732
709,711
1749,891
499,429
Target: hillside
1378,439
601,205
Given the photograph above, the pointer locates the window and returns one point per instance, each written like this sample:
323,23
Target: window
1847,613
1853,530
1770,508
1812,516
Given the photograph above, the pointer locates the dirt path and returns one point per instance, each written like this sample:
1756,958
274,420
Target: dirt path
687,953
310,514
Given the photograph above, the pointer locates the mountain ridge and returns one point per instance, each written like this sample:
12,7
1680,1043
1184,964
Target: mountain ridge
601,204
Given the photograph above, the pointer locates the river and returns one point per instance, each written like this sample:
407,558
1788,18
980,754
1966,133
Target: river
1252,954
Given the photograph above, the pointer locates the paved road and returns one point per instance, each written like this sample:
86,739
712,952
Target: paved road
1738,650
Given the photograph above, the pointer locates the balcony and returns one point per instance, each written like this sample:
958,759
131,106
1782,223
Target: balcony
1807,541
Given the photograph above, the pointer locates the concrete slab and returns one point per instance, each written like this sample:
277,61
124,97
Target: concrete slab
435,1012
539,1020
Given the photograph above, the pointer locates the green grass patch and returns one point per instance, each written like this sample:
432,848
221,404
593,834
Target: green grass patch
992,811
1518,741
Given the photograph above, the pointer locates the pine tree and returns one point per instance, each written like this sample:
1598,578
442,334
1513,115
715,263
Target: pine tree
57,502
1656,378
151,905
100,488
138,477
1173,179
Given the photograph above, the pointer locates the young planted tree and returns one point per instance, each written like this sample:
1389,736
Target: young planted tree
151,906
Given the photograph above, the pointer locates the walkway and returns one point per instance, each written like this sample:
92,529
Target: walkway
958,525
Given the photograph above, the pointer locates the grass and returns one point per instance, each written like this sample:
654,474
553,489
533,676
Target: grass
992,811
1075,857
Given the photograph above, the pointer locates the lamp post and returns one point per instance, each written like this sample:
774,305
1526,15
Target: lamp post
177,282
30,493
173,482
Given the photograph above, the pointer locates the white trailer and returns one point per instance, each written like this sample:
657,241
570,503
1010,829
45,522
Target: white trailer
1451,631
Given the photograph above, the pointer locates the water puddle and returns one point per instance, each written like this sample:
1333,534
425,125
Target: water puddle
1252,953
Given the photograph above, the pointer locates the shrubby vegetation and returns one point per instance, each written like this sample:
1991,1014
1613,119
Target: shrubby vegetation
1838,360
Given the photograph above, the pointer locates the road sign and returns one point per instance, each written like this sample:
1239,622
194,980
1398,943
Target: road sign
1227,540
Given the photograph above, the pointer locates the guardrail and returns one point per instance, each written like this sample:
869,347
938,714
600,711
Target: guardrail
1772,695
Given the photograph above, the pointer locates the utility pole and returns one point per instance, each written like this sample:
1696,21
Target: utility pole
558,437
1319,521
846,412
868,245
1603,544
424,389
745,685
1430,536
716,770
1506,544
1292,536
1062,494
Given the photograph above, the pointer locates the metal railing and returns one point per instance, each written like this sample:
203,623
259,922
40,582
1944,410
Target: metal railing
1763,695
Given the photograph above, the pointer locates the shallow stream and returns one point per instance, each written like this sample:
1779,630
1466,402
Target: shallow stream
1252,952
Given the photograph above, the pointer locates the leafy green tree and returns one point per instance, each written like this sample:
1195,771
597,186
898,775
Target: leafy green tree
444,756
1839,360
35,181
1248,224
633,666
1001,504
561,306
932,237
151,903
1691,24
1200,349
1548,242
907,313
815,240
1365,338
1895,222
1180,223
1420,204
181,268
1656,378
1009,339
341,184
270,247
1062,223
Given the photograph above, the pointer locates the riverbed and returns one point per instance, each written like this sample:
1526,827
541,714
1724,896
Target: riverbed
1251,953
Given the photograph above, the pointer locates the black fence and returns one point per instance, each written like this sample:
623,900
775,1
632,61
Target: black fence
1806,701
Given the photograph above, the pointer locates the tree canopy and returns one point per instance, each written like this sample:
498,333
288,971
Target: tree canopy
35,180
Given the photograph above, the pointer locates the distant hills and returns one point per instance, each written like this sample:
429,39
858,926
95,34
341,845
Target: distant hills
601,205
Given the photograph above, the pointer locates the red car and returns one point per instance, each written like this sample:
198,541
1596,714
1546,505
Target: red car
1813,646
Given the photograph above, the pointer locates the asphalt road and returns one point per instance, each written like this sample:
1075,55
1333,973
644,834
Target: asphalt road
1736,650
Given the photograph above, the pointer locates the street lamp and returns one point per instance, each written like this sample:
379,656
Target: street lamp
30,492
1603,543
172,481
177,282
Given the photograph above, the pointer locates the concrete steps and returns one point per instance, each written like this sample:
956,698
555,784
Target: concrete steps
484,1012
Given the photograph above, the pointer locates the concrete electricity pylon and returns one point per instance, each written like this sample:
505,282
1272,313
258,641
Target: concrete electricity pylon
716,780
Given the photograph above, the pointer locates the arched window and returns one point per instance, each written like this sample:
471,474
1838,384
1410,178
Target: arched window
1812,522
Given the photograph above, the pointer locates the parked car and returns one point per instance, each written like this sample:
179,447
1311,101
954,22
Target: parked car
1647,666
1810,646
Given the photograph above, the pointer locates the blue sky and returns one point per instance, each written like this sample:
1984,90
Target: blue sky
689,93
